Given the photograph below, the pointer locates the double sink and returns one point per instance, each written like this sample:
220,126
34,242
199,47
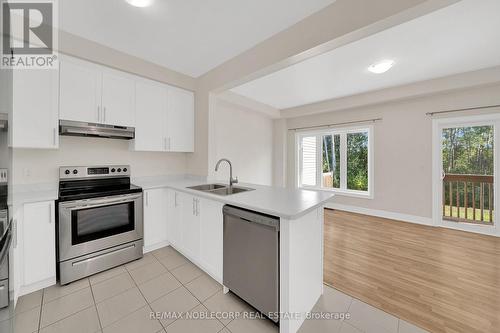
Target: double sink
220,189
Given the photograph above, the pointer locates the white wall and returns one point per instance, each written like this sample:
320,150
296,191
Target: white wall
245,137
38,166
402,148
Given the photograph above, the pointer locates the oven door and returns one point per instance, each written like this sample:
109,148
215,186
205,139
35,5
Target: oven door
91,225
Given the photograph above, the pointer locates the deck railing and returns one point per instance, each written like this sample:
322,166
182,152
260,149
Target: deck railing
468,198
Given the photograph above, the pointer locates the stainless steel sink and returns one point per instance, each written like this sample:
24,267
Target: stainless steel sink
207,187
229,190
220,189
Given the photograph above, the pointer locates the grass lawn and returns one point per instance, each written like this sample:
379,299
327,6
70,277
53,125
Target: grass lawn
486,214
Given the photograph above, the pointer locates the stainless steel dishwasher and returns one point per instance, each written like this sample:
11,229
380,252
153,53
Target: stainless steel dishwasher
251,258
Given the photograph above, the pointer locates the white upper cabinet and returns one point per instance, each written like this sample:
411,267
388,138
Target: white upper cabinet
95,94
34,118
164,118
151,116
118,99
180,120
80,90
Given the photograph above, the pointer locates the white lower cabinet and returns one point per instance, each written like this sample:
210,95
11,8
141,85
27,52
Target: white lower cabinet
174,207
194,227
190,227
38,245
155,218
211,231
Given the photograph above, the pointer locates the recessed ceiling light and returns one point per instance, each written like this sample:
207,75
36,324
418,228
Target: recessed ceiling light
381,66
140,3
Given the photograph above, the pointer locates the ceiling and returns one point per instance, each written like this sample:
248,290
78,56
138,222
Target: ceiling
459,38
188,36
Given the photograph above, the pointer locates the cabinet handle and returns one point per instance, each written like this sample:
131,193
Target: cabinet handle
164,143
104,115
147,199
194,211
197,207
175,199
50,214
169,143
54,136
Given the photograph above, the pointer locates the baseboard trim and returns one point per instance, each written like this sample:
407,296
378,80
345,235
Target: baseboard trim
383,213
24,290
153,247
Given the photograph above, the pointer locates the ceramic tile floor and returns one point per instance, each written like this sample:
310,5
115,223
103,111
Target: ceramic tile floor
124,298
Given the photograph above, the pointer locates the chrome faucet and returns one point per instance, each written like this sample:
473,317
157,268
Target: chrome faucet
231,179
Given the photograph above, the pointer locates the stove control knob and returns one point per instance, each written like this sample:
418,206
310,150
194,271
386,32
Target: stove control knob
66,172
119,170
124,169
113,170
75,171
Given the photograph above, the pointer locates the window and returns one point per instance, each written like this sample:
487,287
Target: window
467,154
337,160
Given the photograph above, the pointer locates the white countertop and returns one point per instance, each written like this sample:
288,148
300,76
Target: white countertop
278,201
283,202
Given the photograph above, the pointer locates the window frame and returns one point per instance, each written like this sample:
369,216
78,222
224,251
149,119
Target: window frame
342,131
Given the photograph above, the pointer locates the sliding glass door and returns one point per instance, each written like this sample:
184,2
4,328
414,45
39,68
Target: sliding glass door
465,169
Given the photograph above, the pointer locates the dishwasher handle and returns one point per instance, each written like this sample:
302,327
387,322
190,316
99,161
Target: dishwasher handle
252,217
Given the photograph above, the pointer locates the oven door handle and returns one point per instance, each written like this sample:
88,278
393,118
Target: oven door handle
90,203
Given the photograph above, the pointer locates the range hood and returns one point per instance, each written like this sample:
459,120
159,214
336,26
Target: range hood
76,128
3,121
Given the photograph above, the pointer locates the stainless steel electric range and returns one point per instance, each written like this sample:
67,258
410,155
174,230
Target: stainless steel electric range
99,220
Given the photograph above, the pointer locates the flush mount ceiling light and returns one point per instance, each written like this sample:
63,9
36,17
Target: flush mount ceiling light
140,3
381,66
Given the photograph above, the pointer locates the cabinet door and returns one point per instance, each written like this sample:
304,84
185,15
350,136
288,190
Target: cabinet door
39,244
35,117
155,218
180,120
118,98
151,116
80,91
190,230
174,221
211,236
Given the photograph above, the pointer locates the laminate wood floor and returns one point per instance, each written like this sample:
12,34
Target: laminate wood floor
439,279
